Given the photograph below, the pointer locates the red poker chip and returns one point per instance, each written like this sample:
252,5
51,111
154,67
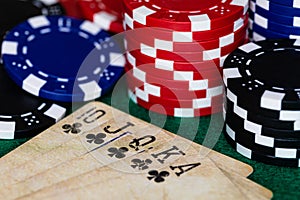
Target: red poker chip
177,75
159,90
139,36
168,65
183,56
178,112
102,15
196,103
184,85
178,103
115,6
178,36
186,15
72,8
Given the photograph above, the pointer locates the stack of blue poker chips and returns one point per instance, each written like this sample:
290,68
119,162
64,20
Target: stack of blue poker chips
274,19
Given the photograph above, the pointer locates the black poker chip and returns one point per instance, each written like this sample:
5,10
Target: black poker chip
22,114
261,156
255,128
262,108
258,118
265,73
246,132
250,142
283,115
13,12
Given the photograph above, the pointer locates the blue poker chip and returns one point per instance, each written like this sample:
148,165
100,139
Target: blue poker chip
273,26
289,3
266,15
258,33
284,29
278,8
63,59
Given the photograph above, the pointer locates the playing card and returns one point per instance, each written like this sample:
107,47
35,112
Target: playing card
189,177
81,135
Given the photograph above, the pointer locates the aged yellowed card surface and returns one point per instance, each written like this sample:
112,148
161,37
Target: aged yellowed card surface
189,177
186,178
91,183
75,127
90,139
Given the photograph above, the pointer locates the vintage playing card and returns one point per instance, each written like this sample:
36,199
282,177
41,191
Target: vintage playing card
73,138
80,122
141,163
72,149
189,177
87,118
123,144
249,188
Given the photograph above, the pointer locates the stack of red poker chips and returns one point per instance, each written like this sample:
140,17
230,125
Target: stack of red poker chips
108,14
175,52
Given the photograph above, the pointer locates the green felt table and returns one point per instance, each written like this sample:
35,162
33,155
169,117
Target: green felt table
283,181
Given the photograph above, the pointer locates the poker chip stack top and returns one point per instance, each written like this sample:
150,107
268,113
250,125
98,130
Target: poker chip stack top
175,52
274,19
263,106
105,13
